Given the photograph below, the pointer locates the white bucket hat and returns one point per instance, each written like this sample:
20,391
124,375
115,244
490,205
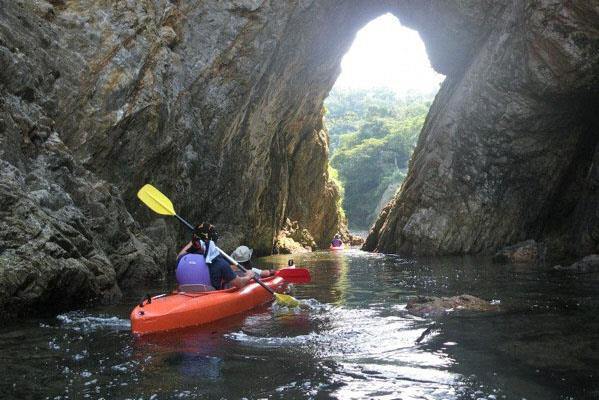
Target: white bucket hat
242,254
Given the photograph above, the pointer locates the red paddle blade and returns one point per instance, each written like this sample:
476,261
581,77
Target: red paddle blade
294,275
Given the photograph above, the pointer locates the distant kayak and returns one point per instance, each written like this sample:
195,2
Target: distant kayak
181,309
337,247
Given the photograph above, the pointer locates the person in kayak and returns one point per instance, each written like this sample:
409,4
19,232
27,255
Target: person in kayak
336,242
243,255
221,272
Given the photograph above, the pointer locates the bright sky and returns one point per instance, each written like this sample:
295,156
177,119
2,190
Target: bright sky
385,53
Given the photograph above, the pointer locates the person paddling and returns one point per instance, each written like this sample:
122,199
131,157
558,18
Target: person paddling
336,242
221,272
243,255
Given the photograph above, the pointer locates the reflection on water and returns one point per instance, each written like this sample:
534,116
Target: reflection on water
351,338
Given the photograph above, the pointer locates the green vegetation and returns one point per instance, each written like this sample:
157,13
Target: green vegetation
372,135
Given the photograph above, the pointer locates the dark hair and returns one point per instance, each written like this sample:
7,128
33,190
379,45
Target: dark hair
205,231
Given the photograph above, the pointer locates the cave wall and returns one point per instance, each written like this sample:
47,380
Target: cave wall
216,103
219,104
508,150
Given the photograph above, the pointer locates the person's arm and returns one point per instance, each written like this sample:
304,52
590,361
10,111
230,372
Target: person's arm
262,273
241,281
184,250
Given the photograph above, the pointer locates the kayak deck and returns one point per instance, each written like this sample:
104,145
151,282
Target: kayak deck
181,309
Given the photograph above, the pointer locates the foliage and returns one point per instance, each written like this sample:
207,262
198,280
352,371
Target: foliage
372,134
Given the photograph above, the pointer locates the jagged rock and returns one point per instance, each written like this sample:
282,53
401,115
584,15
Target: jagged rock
521,253
293,239
588,264
286,245
225,117
509,148
354,240
65,237
435,306
201,99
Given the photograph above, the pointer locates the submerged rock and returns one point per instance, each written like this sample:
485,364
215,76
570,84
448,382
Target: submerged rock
435,306
588,264
354,240
521,253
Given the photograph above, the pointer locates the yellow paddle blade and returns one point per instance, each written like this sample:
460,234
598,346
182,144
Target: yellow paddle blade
286,300
158,202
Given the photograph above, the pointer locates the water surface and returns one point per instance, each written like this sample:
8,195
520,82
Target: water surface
352,339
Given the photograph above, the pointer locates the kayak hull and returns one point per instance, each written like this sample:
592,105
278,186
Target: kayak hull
336,248
180,309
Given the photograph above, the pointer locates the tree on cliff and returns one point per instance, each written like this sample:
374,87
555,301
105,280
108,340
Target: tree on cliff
372,134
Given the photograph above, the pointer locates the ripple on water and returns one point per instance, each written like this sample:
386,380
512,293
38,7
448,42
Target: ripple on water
377,352
80,321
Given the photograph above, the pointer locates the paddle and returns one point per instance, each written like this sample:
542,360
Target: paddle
162,205
287,300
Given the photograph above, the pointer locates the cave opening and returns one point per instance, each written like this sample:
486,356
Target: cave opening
374,114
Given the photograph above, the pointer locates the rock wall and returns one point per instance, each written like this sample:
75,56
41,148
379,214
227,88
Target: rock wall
509,149
217,103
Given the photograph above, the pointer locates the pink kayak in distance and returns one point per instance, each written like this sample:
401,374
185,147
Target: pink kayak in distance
336,243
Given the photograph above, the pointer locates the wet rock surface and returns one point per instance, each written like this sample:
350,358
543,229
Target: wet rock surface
66,237
436,306
587,265
526,252
509,149
219,105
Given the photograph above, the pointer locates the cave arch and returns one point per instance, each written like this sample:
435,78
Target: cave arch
182,94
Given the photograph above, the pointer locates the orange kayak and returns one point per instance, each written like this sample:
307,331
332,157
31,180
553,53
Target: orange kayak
180,309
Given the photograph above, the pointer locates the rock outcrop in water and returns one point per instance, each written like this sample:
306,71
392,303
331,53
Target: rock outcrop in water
509,149
219,104
428,306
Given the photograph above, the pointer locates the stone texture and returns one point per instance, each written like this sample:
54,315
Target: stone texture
65,236
587,265
521,253
509,149
436,306
293,239
219,105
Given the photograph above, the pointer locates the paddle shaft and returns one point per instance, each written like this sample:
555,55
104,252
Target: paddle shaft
187,224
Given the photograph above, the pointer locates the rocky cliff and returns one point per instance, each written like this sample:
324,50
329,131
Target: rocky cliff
219,105
509,149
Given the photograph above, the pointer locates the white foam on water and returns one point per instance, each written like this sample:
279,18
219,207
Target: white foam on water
78,320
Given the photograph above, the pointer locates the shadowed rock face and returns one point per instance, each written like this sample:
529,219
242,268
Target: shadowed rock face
219,105
509,149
